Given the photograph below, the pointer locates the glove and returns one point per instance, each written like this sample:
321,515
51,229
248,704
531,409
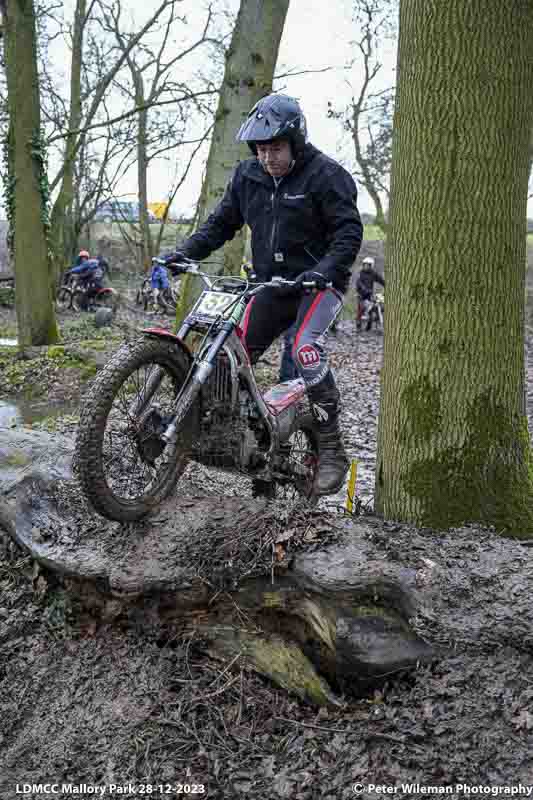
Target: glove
306,277
173,262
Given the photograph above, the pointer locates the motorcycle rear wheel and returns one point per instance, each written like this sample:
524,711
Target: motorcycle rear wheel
124,467
301,448
167,302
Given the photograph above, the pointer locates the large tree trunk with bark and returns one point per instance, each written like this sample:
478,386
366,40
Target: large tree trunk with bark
28,194
454,443
63,233
250,64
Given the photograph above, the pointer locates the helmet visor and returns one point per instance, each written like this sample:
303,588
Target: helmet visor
257,128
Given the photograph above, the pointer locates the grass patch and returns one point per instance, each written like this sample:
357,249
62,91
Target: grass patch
17,459
84,329
349,308
8,331
7,296
88,371
56,423
372,233
31,378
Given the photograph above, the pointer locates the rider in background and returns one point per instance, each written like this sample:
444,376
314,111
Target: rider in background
365,287
301,207
91,273
158,281
82,256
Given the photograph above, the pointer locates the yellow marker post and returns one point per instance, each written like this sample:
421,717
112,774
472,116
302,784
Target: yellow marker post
350,494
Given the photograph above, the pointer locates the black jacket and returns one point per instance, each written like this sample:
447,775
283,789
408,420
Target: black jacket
365,283
308,221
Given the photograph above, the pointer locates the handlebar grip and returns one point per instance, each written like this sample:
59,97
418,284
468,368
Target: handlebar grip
312,285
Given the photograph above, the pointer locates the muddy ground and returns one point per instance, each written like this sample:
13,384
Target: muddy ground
89,702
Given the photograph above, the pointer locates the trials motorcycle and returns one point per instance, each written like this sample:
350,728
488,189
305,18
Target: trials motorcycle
373,312
166,399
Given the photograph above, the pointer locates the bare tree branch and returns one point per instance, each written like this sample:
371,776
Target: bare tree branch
132,112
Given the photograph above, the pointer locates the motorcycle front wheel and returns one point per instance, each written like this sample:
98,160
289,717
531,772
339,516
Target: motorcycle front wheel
124,465
64,299
79,300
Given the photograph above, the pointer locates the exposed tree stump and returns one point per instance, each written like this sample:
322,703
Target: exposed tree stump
298,595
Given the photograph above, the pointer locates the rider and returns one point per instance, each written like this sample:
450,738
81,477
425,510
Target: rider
82,256
91,273
365,286
158,280
301,206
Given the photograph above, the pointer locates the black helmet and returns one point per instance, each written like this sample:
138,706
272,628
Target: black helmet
275,116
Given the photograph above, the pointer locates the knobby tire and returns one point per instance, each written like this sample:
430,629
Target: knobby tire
90,442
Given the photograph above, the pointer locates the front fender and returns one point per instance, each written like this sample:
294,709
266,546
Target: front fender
163,333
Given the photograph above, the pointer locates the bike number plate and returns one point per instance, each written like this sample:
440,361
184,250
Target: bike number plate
213,304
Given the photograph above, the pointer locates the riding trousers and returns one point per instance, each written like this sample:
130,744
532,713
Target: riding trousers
274,310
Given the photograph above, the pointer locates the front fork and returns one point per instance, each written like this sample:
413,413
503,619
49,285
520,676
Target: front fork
199,376
196,378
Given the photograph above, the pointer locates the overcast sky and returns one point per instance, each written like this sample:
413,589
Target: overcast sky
317,34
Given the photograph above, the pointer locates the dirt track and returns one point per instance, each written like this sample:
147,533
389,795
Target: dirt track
84,701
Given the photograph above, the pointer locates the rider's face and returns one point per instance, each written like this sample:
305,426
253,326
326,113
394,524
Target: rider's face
276,156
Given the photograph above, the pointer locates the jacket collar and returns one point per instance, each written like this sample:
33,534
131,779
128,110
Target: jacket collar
252,167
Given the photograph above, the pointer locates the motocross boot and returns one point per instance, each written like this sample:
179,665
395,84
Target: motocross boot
332,460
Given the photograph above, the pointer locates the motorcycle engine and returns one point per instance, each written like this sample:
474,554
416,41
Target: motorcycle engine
227,436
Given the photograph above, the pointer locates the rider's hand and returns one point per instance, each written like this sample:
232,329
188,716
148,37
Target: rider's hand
174,261
310,276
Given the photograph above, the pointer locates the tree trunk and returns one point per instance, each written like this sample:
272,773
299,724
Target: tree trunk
530,169
250,64
454,443
147,250
34,302
366,174
62,217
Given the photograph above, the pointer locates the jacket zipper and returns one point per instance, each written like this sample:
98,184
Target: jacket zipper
309,253
274,196
274,222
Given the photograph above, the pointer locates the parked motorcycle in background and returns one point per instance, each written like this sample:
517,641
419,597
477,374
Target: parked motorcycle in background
375,314
372,315
163,300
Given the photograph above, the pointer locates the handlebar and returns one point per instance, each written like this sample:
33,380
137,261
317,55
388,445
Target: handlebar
305,284
187,266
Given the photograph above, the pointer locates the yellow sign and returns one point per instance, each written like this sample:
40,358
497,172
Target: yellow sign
158,209
350,495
